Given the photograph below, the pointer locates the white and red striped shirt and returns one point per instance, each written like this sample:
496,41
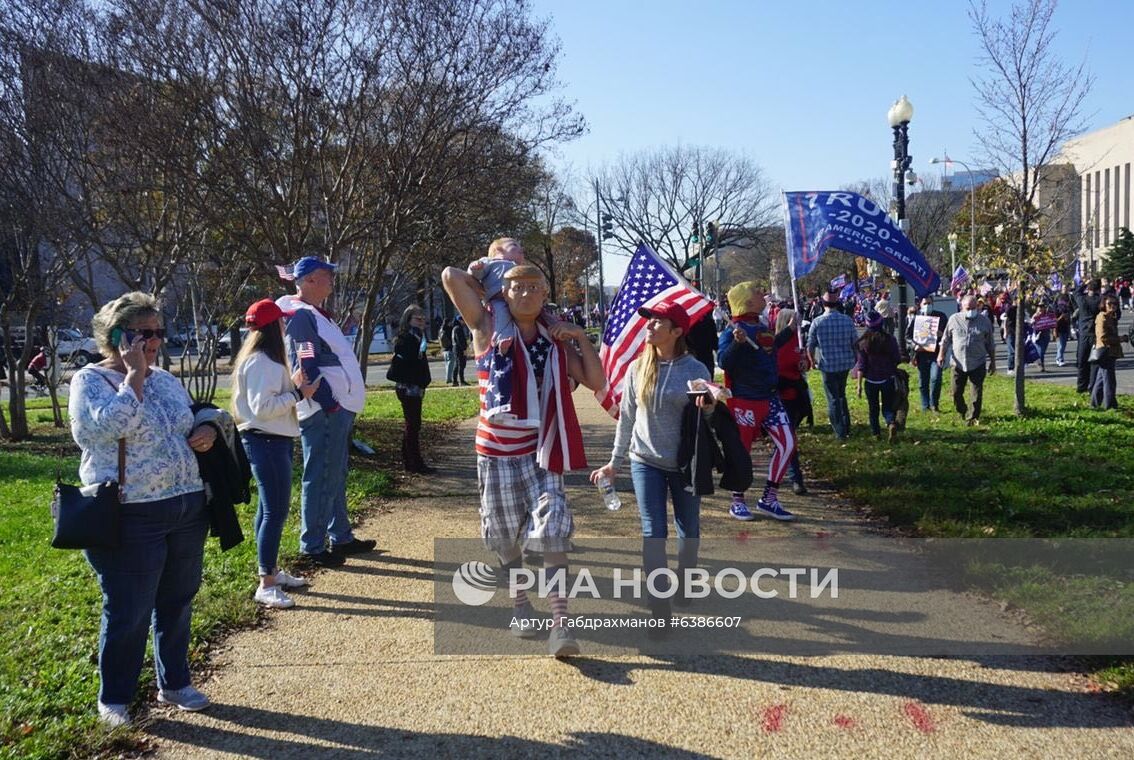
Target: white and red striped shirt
495,439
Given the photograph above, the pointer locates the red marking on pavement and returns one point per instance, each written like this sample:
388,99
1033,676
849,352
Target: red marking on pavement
844,721
823,539
742,537
774,718
919,716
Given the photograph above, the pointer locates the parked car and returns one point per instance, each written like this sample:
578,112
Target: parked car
379,342
224,343
72,346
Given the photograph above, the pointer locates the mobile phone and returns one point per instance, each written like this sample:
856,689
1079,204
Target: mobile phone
116,337
694,395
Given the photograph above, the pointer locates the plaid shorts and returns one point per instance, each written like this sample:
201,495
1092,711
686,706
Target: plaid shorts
522,503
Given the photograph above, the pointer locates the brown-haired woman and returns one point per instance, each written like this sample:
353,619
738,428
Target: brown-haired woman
264,395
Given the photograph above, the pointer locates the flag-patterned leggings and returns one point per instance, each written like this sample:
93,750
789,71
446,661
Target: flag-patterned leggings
769,417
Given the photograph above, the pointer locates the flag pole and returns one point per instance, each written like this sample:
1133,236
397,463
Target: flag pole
791,272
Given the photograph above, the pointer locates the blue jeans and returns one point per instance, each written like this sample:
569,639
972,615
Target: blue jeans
1043,340
835,386
650,487
326,446
929,380
450,367
271,465
151,577
880,396
1061,338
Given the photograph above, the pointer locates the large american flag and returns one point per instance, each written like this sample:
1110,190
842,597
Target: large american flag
648,280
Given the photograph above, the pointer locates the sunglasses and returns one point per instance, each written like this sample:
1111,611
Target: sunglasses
145,334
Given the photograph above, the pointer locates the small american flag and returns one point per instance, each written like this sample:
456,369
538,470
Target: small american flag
285,272
960,277
985,288
305,350
648,280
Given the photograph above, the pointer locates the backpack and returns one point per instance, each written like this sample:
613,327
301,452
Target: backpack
446,338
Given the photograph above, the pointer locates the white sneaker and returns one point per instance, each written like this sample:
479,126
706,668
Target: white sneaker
273,596
289,581
113,716
186,698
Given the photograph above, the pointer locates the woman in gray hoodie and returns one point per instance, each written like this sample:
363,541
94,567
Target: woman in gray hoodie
649,433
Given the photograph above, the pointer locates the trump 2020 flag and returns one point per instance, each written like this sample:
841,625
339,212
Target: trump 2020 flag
814,221
648,280
839,282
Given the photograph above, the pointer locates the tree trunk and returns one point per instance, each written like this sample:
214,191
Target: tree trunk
1018,338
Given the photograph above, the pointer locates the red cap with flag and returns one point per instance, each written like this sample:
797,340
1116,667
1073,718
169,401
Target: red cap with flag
668,310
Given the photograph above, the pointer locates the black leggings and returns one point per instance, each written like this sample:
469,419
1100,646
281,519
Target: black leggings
411,437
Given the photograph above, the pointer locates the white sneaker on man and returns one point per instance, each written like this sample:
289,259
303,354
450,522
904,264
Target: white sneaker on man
274,597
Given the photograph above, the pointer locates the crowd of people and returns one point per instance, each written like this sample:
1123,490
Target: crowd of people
296,377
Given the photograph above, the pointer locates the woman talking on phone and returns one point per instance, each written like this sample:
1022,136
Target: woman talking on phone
649,433
156,571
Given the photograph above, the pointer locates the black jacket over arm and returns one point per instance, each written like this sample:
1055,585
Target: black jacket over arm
226,472
712,444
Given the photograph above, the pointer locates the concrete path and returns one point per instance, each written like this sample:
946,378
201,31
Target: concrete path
351,671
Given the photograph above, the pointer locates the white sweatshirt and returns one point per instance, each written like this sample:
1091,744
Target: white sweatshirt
267,398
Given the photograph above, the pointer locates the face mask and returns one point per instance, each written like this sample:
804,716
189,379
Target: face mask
924,309
971,313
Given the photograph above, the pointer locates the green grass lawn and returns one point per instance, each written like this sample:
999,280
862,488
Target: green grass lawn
49,607
1064,470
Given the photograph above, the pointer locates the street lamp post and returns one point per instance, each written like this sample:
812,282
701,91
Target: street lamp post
972,213
952,237
899,116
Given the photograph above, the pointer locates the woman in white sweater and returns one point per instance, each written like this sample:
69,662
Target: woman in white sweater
649,434
264,395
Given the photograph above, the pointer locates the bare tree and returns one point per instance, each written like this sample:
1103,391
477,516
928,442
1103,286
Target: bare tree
548,208
40,147
1030,103
662,194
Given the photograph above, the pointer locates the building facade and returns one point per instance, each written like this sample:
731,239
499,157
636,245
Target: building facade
1102,161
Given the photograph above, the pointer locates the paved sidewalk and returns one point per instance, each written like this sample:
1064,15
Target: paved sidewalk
350,672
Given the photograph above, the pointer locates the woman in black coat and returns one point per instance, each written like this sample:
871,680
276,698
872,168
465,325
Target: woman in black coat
409,370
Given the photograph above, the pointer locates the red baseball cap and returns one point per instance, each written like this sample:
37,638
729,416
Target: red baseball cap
262,313
668,310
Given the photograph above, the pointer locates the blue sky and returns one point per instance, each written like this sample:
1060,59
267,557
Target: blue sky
801,87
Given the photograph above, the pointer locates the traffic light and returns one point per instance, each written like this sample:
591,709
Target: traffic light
711,234
696,233
607,227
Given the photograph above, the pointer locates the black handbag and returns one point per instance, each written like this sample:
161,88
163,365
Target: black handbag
89,522
1098,353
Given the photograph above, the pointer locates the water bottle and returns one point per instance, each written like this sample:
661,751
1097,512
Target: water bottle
609,495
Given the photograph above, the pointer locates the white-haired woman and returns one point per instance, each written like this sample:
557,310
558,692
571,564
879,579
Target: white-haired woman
156,571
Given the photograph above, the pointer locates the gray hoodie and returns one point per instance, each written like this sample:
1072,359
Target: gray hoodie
652,435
